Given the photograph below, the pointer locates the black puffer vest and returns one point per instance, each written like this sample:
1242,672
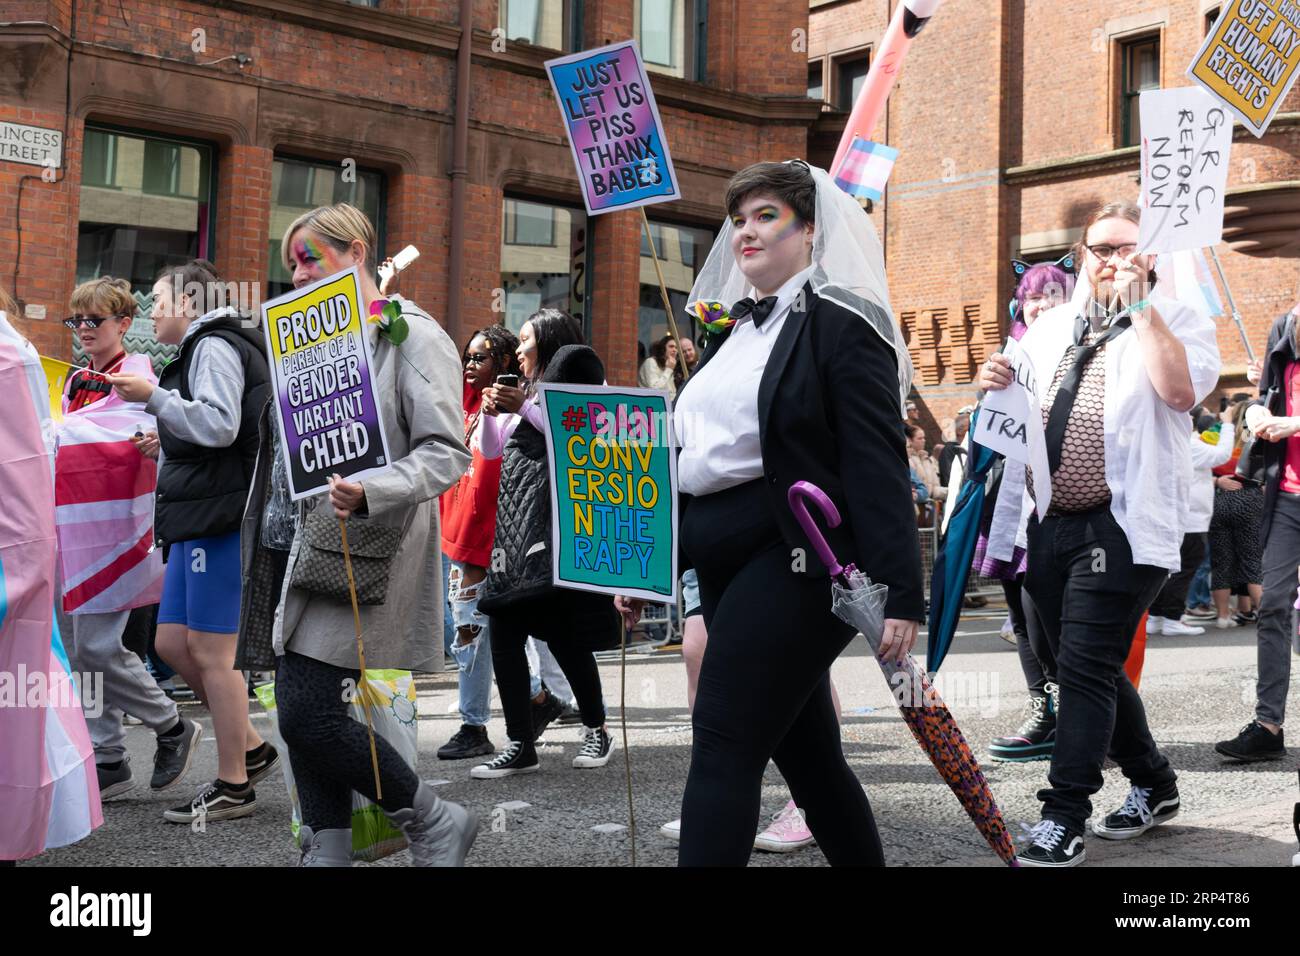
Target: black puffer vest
202,491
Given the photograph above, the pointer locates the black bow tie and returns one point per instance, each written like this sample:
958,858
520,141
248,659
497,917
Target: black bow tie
760,310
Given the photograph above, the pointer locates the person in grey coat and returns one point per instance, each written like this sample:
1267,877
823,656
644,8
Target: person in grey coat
419,395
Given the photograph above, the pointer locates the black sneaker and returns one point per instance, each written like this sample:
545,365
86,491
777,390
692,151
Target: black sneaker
1052,844
469,741
1255,742
1246,618
260,762
544,713
569,716
216,801
1036,738
597,745
174,754
516,758
114,780
1143,809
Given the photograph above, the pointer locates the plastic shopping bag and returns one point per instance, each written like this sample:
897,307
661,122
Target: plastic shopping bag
390,697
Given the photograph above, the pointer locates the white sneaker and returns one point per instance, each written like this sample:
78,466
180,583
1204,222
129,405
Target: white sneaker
672,830
1224,623
1179,629
1155,625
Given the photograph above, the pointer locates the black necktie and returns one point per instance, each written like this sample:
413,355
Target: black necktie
1059,416
760,310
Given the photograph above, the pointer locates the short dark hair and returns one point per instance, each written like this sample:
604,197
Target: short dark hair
791,183
200,280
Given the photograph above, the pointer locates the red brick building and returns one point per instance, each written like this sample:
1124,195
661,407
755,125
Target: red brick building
1013,120
194,128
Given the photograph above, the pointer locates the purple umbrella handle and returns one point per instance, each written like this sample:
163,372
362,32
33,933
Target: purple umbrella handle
805,489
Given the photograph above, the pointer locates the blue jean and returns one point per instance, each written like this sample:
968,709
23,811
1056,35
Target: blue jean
1198,594
473,660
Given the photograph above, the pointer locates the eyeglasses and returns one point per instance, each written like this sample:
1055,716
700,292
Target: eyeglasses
1104,252
477,359
75,322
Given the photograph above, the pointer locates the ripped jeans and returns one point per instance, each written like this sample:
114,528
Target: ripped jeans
473,660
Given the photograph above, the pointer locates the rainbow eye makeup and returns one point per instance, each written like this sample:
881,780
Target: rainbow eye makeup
307,250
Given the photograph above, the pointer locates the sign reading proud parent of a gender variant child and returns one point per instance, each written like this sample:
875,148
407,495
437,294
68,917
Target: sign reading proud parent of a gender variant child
614,128
324,394
1251,59
613,490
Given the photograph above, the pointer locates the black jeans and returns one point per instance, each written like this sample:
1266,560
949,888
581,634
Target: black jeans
1036,658
545,620
1171,602
764,691
1090,596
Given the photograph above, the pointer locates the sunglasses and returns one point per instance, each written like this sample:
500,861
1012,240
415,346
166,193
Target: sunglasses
477,359
75,322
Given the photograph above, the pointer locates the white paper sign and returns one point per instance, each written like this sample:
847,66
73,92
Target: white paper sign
1186,138
1010,422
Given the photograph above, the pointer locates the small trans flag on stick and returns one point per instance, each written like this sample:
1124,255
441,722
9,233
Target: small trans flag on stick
866,169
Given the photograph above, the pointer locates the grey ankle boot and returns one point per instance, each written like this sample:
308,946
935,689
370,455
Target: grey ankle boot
440,832
326,848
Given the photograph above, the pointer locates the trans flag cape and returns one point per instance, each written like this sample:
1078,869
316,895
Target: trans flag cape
49,794
104,505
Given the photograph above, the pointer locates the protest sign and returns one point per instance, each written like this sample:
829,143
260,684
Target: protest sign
1186,138
321,368
1009,421
614,128
1250,59
613,490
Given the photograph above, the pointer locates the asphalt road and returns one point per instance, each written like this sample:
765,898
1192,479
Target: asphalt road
1197,690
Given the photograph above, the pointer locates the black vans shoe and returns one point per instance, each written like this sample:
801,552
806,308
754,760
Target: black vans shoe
217,801
1052,844
1143,809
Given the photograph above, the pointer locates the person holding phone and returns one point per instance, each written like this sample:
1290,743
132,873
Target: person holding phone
518,596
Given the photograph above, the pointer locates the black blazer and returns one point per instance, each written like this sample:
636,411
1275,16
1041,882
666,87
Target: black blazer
828,413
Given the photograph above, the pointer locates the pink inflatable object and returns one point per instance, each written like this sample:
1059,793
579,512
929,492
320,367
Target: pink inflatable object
909,19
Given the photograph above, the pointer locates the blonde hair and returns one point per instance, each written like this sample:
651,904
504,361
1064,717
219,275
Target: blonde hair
7,303
104,296
339,225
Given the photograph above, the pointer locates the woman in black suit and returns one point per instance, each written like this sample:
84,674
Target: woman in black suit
805,383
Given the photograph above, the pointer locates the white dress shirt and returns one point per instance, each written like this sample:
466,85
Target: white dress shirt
1148,461
717,415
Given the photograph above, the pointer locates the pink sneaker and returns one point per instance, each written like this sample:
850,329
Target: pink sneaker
787,833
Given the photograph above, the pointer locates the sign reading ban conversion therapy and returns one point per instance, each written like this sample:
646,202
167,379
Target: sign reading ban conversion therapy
613,490
321,368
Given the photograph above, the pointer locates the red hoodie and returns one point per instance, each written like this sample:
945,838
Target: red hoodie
468,510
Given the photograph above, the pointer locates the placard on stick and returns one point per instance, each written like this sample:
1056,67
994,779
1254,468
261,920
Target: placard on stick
613,490
1186,141
614,128
322,368
1251,59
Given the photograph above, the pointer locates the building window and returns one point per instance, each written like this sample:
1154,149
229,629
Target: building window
661,30
850,74
1140,70
682,251
1211,18
538,274
816,85
146,203
300,185
544,23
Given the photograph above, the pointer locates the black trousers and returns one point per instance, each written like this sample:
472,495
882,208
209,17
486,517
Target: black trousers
328,750
1036,658
1171,602
764,691
559,620
1090,596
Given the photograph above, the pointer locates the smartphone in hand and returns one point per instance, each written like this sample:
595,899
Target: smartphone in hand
510,381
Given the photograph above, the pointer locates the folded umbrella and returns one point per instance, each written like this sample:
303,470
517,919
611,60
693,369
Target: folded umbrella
857,601
952,559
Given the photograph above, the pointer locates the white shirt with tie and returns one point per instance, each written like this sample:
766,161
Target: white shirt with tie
716,418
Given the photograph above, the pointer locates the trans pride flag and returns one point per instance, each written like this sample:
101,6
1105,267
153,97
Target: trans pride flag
104,493
49,794
866,169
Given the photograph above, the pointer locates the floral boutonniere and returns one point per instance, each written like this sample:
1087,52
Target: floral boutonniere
713,316
393,326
